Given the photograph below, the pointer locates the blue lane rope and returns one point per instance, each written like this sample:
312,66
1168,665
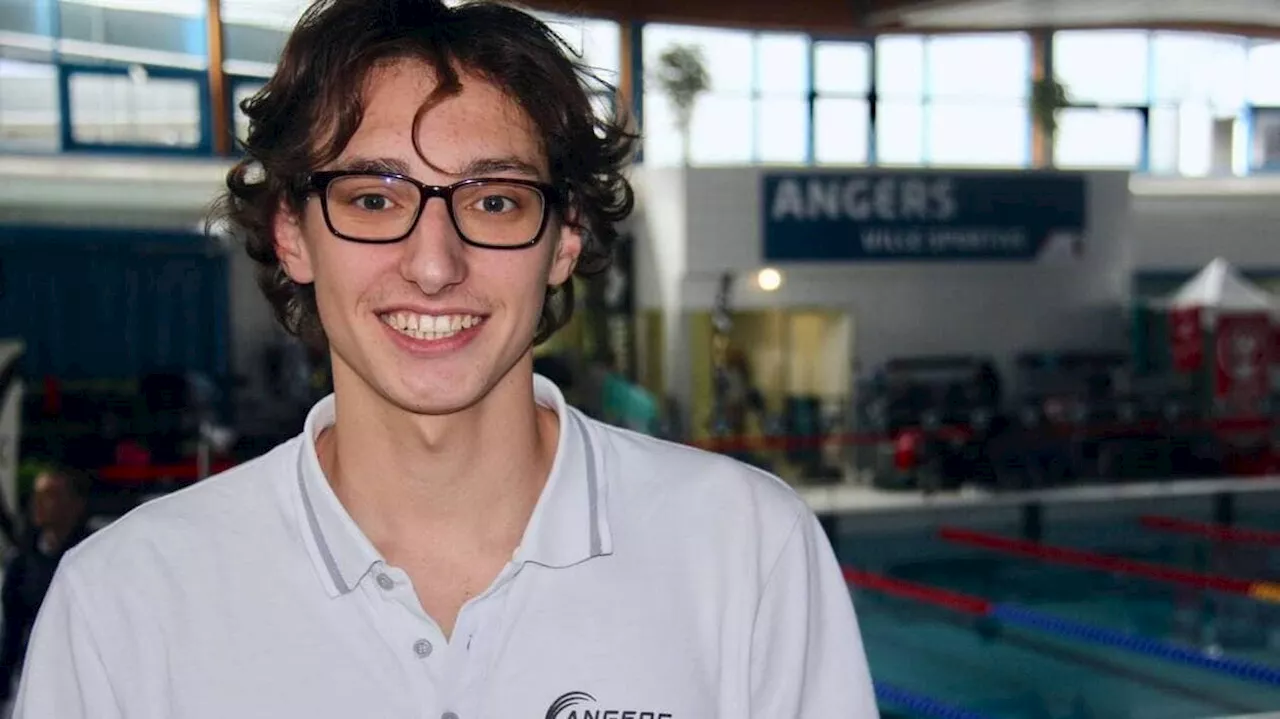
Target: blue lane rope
1240,668
920,704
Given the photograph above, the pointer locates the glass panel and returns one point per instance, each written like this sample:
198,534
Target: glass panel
900,133
1203,68
1265,152
254,32
118,109
722,130
900,66
29,112
978,66
842,67
596,40
1191,139
978,135
1102,66
29,17
1264,68
841,130
783,64
149,32
782,129
662,141
728,53
1098,139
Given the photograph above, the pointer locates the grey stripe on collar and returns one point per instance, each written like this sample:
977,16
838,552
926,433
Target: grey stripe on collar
321,545
593,490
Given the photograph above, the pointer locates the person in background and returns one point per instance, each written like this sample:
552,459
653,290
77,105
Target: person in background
58,523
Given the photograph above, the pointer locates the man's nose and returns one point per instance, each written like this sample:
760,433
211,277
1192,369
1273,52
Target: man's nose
434,254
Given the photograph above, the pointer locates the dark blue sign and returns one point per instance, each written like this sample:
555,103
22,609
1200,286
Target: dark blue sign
921,216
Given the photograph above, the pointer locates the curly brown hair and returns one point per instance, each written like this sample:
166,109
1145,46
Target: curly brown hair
308,111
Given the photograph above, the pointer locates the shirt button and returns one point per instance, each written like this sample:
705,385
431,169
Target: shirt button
422,648
386,582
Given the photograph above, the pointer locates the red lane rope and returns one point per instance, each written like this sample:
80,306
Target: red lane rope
918,592
1092,560
1217,532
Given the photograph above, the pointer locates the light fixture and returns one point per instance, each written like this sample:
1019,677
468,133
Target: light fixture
769,279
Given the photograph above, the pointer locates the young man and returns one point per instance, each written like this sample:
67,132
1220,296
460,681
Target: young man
446,538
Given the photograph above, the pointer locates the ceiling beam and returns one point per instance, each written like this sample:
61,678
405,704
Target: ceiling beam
833,17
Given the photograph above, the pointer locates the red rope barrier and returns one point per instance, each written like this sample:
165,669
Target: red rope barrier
1092,560
1217,532
918,592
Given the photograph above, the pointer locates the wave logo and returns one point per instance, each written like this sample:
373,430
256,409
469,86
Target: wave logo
581,705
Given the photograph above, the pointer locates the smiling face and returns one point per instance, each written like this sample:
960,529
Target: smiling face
429,324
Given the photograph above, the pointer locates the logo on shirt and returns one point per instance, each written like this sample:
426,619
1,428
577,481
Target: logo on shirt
581,705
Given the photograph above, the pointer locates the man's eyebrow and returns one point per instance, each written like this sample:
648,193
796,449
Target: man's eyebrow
498,165
382,165
476,168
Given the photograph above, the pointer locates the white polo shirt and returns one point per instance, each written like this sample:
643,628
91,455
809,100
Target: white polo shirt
654,581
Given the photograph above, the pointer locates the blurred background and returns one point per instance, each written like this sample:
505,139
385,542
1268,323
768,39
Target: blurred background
992,283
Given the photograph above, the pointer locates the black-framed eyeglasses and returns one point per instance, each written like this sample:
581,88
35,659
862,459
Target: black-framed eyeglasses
380,208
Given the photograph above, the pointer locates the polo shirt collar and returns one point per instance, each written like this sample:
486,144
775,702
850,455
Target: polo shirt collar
569,524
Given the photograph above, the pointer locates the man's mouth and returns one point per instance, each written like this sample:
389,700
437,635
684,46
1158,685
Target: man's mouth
429,327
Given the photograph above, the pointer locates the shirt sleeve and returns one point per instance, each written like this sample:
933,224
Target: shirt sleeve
64,675
807,656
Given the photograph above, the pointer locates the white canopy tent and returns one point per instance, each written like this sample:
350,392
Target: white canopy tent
1220,288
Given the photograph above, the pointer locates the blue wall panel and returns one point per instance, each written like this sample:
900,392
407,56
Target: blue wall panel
114,304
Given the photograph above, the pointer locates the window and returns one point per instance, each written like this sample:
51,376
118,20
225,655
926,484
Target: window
1199,84
160,33
596,41
900,133
900,68
120,109
958,100
756,109
1089,138
1263,69
973,68
29,111
1264,152
28,17
1105,67
254,33
987,135
841,110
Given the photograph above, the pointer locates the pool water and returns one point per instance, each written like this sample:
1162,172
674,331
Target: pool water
1004,672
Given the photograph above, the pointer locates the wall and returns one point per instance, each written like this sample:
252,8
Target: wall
1182,224
105,193
905,309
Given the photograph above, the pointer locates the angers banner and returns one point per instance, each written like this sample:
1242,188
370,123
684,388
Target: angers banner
923,216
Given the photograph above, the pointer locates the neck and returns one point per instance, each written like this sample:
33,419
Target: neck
469,478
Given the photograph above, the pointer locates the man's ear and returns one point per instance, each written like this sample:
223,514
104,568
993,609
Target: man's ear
567,251
291,247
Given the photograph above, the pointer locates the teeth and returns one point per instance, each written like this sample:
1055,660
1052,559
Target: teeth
429,327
